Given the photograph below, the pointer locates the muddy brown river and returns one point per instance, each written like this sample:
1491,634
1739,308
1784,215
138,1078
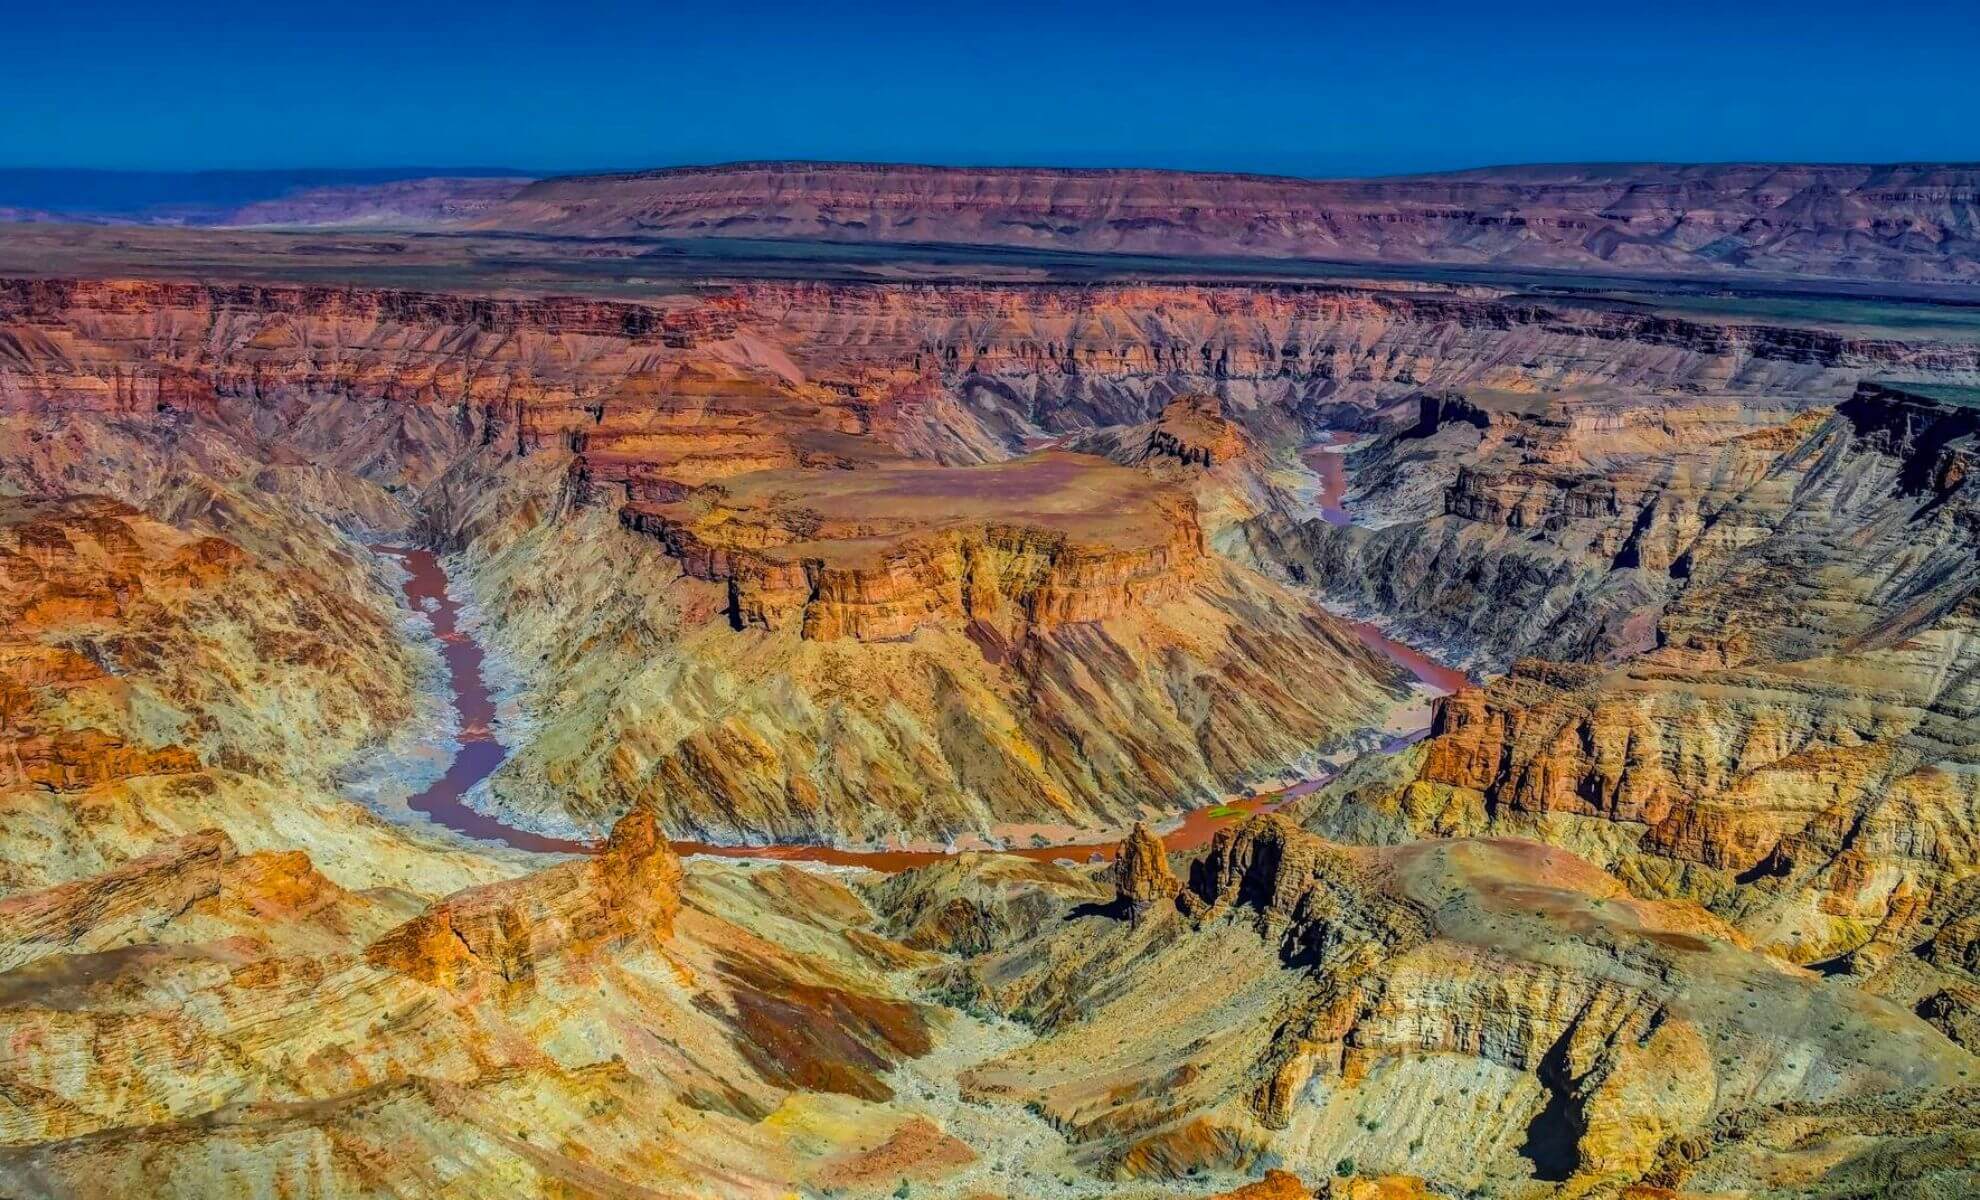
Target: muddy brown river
445,802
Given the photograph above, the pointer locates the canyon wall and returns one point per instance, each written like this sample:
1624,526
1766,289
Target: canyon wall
1684,899
1499,1016
394,385
1898,222
730,426
1073,649
1791,740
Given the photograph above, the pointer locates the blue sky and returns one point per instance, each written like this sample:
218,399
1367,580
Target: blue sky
1292,88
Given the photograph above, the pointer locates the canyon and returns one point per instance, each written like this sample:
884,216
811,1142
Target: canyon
975,736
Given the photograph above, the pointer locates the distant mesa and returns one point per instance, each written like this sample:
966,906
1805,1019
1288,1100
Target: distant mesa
1909,222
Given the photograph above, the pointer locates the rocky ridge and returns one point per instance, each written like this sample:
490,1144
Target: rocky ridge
1733,949
1566,1031
1904,221
1791,742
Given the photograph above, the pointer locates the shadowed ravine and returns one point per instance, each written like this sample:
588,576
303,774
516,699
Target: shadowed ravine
445,802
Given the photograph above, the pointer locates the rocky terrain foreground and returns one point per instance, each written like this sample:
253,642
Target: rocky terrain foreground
989,739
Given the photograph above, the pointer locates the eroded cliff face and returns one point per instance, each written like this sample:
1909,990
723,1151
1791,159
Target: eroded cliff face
1483,1014
1046,541
809,517
729,424
1064,358
135,648
1198,444
1795,747
210,956
394,386
735,558
1889,222
588,1024
1007,691
1498,525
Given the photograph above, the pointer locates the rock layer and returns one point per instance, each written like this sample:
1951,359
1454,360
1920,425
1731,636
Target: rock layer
1046,541
1344,1005
1911,221
1795,745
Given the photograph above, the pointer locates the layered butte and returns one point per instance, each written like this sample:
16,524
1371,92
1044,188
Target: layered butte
1043,541
795,465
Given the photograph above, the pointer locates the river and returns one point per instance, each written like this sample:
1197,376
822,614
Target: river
479,754
1329,462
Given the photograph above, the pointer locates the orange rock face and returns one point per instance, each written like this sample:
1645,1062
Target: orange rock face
872,554
1141,869
111,621
394,385
629,889
1195,430
82,566
1276,1185
1790,745
1346,1009
788,563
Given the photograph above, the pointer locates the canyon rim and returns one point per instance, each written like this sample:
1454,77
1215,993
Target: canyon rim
807,678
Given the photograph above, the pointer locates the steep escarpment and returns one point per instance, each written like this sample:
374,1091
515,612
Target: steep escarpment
1797,746
1909,221
394,386
1507,524
158,681
135,648
777,441
1018,688
1065,358
205,1005
1035,543
388,386
1197,444
876,565
808,517
1481,1014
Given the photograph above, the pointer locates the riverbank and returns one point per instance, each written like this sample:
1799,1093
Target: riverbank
479,754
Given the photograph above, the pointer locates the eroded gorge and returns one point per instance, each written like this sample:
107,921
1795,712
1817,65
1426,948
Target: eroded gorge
964,738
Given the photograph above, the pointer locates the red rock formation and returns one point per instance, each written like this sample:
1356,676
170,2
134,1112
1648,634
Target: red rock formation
629,889
395,385
1353,982
1195,430
1276,1185
872,554
111,622
1141,869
